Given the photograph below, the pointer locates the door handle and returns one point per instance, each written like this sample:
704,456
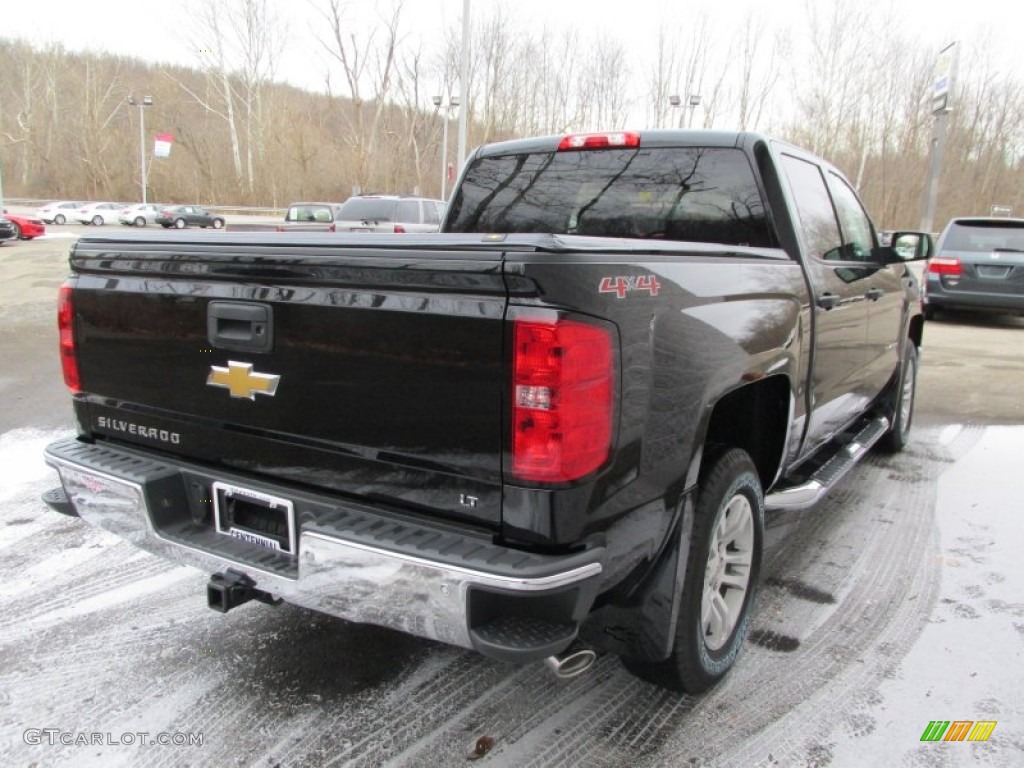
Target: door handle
240,326
875,294
828,301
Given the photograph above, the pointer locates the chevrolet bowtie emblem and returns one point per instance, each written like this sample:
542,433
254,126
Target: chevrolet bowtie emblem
240,381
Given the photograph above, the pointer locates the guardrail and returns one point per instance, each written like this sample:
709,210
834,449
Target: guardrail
241,210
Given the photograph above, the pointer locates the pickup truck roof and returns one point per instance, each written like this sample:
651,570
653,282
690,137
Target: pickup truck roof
651,138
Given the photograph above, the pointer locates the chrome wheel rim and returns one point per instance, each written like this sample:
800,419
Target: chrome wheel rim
727,575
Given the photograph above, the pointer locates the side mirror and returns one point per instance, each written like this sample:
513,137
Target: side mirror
911,246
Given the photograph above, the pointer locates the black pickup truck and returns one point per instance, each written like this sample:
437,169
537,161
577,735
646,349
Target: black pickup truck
551,430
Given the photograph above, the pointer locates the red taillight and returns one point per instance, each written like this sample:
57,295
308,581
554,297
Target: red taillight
399,229
563,381
949,266
599,140
66,326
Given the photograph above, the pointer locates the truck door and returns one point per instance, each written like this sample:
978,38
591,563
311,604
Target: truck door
886,292
839,288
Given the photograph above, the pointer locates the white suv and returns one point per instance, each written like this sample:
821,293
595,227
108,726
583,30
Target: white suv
389,213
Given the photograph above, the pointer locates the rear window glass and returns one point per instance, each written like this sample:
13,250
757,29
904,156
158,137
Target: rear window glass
694,194
992,236
309,213
364,209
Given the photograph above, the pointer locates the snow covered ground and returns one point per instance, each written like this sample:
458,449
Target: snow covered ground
894,603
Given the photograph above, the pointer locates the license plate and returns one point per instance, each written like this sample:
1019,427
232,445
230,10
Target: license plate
254,517
993,273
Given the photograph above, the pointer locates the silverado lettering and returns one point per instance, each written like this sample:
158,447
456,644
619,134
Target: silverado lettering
128,427
550,430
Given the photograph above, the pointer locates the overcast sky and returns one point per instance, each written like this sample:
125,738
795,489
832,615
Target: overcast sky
156,30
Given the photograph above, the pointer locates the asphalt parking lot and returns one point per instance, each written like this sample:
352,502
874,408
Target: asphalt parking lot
894,603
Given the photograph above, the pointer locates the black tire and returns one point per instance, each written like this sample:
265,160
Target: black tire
218,223
17,232
900,408
140,221
97,220
729,486
59,219
179,223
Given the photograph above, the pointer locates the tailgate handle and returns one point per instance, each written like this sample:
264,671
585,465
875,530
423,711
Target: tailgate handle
240,326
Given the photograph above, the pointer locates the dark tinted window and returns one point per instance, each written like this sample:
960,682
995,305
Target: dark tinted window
814,206
695,194
367,209
984,236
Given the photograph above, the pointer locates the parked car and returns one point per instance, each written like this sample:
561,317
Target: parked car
140,215
7,231
60,211
319,213
98,214
979,265
181,216
26,227
389,213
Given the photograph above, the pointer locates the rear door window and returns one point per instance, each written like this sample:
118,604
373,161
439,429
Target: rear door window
696,194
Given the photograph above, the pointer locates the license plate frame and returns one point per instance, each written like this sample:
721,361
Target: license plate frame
236,509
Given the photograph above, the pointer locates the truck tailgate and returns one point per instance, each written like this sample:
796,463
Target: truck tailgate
389,362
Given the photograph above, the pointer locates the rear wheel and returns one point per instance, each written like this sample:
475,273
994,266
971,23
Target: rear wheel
59,219
721,577
140,221
901,402
97,220
17,231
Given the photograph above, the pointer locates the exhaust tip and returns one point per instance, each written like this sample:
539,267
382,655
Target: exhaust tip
571,663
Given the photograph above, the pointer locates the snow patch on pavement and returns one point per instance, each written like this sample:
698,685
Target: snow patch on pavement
21,458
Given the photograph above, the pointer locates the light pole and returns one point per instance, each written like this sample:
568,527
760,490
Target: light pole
147,101
453,101
694,102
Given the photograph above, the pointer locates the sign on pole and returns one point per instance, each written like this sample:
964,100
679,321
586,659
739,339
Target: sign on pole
945,74
162,145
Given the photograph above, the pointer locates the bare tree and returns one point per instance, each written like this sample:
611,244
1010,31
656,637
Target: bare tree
368,64
679,69
601,87
759,68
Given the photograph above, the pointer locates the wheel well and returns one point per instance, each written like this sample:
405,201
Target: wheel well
754,418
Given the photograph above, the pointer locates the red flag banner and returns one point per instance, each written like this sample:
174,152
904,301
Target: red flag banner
162,145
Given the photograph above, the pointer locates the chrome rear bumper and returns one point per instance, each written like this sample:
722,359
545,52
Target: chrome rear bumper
357,563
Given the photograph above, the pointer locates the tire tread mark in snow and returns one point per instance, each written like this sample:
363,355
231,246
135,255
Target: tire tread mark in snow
839,662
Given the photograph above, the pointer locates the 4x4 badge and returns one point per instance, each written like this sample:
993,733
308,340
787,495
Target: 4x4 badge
240,381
